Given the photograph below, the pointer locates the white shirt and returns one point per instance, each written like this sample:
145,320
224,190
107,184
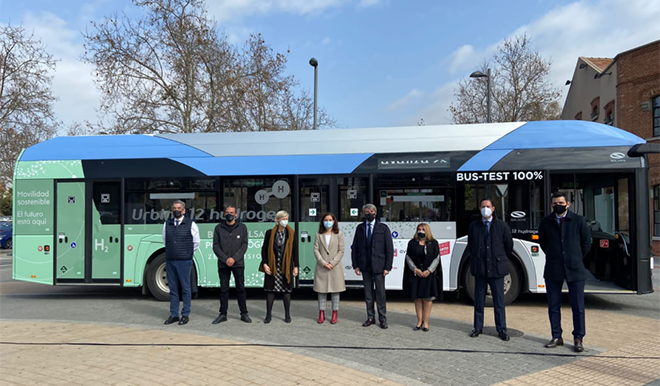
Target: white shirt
327,240
194,231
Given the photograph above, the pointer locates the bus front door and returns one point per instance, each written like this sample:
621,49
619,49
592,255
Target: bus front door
70,232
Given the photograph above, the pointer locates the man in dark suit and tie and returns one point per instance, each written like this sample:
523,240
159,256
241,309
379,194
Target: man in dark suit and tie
490,244
565,239
372,255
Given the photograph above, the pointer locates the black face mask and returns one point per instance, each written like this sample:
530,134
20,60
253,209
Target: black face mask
177,213
559,209
229,217
370,217
421,235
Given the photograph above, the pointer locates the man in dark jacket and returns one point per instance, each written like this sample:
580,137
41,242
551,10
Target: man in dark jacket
230,242
490,245
181,239
565,239
372,255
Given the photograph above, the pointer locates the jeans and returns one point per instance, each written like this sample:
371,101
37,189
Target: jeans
178,276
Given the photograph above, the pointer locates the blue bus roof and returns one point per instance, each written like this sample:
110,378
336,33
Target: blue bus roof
331,151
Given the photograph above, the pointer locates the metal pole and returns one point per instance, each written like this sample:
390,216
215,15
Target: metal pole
316,93
488,96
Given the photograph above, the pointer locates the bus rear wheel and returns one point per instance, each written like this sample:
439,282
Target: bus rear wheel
157,278
512,284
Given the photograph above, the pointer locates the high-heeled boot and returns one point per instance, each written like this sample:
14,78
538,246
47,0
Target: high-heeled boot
334,317
321,316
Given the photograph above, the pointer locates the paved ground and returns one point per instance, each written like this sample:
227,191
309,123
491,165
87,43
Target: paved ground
622,343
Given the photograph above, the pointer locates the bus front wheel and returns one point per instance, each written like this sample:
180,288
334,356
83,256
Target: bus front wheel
512,284
157,278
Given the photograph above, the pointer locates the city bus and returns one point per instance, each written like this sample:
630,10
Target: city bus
89,210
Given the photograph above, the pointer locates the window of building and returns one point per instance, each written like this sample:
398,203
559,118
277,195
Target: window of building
656,116
578,116
656,211
595,105
609,113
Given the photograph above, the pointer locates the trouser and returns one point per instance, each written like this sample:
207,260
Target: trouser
239,281
178,276
576,296
371,279
323,299
497,289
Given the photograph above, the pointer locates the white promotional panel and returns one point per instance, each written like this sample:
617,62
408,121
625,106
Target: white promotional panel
402,232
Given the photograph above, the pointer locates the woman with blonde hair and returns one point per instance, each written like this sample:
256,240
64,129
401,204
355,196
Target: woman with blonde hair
279,261
422,280
329,274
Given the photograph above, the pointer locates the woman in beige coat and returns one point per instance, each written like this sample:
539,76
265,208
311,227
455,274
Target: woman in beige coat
329,274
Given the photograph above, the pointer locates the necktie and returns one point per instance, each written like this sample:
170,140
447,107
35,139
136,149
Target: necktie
561,222
176,223
487,227
368,231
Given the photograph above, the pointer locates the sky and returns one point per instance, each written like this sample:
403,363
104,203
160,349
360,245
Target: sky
381,62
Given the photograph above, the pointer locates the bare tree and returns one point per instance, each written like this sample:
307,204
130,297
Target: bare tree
171,71
520,89
26,101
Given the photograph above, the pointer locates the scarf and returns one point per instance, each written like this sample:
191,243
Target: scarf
286,258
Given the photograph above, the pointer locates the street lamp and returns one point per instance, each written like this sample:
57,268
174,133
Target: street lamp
479,74
315,63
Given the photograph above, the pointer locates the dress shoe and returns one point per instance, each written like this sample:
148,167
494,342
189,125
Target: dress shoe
267,319
417,328
425,329
475,333
554,343
321,317
246,318
383,324
504,336
221,318
287,319
184,320
368,323
334,318
172,319
577,345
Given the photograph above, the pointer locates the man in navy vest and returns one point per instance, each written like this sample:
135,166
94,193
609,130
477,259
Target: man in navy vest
181,239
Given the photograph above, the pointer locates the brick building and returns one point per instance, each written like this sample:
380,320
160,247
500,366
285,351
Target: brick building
623,91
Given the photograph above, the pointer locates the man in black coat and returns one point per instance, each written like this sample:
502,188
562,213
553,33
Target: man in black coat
230,242
372,255
565,239
490,244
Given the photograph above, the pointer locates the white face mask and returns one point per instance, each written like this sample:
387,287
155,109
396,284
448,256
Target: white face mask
284,223
486,212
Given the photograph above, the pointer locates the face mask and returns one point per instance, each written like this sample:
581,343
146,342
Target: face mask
230,217
559,209
177,213
486,212
370,217
421,235
284,223
328,224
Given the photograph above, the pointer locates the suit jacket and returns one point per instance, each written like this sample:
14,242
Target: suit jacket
490,259
565,248
382,248
329,280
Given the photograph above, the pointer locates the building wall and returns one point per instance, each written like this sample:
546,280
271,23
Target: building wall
584,88
639,81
